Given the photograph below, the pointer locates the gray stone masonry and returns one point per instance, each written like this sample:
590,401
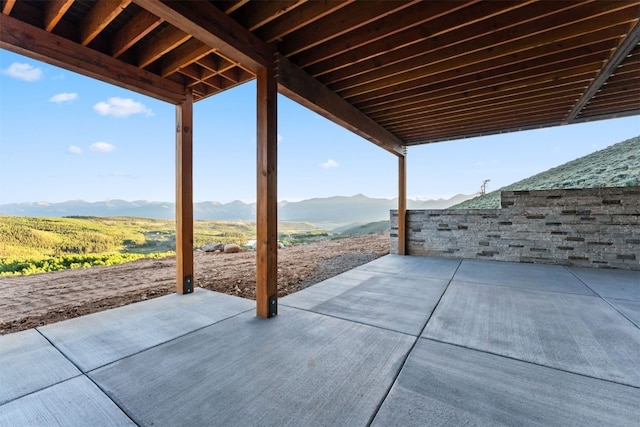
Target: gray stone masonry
594,227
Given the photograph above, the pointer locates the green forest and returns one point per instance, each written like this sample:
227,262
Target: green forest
40,244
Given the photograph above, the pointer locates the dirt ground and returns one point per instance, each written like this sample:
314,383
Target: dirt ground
30,301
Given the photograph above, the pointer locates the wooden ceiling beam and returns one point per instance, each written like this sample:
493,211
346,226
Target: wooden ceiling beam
468,77
459,130
231,6
100,15
184,55
347,19
301,16
213,27
255,15
629,43
488,112
494,46
633,111
297,85
504,100
165,41
418,14
25,39
540,90
133,31
519,78
54,12
7,6
380,52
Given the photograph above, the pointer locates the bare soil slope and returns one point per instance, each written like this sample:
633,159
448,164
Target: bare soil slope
36,300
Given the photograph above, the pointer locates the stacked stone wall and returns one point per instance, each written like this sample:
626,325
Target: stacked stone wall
596,227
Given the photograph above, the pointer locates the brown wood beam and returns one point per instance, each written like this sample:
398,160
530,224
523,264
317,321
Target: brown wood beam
629,43
134,30
402,204
213,27
54,12
267,196
25,39
303,15
257,14
184,195
165,41
182,56
7,6
101,15
299,86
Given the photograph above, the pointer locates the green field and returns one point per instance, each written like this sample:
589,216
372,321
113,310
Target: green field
39,244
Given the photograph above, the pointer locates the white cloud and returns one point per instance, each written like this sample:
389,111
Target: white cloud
279,137
120,107
73,149
102,147
25,72
329,164
63,97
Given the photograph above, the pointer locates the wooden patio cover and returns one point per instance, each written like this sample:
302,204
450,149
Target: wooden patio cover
398,73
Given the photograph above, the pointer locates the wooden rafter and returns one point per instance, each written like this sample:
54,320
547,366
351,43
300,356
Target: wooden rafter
133,31
54,12
304,89
7,6
101,15
256,17
629,43
28,40
184,55
165,41
211,26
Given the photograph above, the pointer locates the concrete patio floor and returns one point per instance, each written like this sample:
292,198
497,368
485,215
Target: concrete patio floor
399,341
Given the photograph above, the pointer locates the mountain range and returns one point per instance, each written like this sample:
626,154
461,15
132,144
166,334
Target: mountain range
336,210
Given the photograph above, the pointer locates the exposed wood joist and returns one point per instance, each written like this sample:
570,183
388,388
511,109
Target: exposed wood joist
267,194
54,12
464,54
184,195
620,54
304,14
133,31
344,20
415,16
187,53
168,39
36,43
7,6
211,26
101,15
263,13
307,91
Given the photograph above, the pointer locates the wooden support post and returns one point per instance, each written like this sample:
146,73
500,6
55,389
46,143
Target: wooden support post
184,195
267,202
402,204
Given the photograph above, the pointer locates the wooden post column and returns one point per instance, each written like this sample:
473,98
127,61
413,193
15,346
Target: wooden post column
184,195
267,202
402,204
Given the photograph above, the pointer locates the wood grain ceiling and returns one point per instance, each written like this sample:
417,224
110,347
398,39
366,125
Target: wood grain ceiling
423,71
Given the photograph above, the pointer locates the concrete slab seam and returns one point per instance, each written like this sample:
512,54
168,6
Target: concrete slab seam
604,299
406,357
170,340
530,289
529,362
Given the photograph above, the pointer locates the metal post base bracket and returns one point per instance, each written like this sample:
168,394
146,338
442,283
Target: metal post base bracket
188,284
273,306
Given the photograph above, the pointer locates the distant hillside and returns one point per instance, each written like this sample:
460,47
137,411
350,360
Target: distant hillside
615,166
335,210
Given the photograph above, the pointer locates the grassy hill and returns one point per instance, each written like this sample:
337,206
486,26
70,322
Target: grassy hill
615,166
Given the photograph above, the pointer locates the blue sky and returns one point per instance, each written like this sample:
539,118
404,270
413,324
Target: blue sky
66,137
